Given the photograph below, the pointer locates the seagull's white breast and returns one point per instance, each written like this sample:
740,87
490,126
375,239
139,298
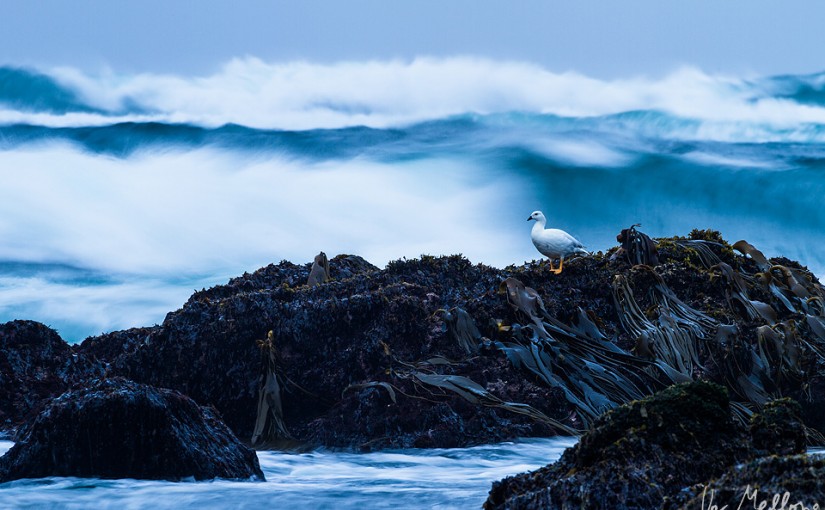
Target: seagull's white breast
555,243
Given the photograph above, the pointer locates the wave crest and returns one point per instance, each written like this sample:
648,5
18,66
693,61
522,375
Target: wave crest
30,91
303,95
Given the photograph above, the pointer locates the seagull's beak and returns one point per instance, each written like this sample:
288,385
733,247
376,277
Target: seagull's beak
530,218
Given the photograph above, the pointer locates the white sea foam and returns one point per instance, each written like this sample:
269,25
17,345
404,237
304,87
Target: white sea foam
304,95
77,310
157,226
203,210
580,152
457,478
75,119
708,159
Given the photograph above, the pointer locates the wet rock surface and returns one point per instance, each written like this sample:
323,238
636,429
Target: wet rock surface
768,482
440,352
641,453
120,429
366,326
35,366
778,429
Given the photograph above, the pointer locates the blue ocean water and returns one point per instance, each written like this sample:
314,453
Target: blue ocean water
439,479
457,478
121,194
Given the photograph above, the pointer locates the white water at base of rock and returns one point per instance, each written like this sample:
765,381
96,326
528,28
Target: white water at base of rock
439,478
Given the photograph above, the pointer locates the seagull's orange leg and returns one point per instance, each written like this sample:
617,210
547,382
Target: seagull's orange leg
561,264
550,261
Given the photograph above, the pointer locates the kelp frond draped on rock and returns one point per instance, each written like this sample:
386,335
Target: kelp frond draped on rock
594,374
269,423
433,386
675,338
673,341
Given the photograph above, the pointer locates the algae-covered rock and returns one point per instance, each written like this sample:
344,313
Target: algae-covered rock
636,455
778,429
434,351
335,342
35,365
345,343
788,482
121,429
777,435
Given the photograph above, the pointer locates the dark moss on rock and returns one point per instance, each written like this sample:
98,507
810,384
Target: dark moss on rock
351,351
788,482
35,365
636,455
120,429
778,429
654,451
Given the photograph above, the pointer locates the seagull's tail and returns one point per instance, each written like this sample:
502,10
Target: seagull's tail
582,251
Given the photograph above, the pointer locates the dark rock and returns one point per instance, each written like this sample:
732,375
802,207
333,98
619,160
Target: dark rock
35,365
638,454
778,429
120,429
348,266
345,332
813,410
798,481
111,345
351,352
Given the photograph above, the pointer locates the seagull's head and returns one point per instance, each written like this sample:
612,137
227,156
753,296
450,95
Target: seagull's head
537,215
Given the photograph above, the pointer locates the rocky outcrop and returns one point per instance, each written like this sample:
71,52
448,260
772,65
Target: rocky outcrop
439,352
790,482
120,429
778,429
640,454
35,366
336,342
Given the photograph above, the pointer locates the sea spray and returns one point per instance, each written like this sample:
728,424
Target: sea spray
450,479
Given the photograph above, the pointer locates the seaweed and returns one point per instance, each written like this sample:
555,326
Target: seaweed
638,247
474,393
594,374
674,339
269,422
462,329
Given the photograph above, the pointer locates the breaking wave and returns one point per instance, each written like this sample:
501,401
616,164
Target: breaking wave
140,188
686,104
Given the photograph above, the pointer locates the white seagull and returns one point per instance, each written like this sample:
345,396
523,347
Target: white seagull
552,242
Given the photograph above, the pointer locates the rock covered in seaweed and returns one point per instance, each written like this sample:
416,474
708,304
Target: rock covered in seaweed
120,429
437,351
777,437
778,429
35,365
637,455
359,328
370,358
